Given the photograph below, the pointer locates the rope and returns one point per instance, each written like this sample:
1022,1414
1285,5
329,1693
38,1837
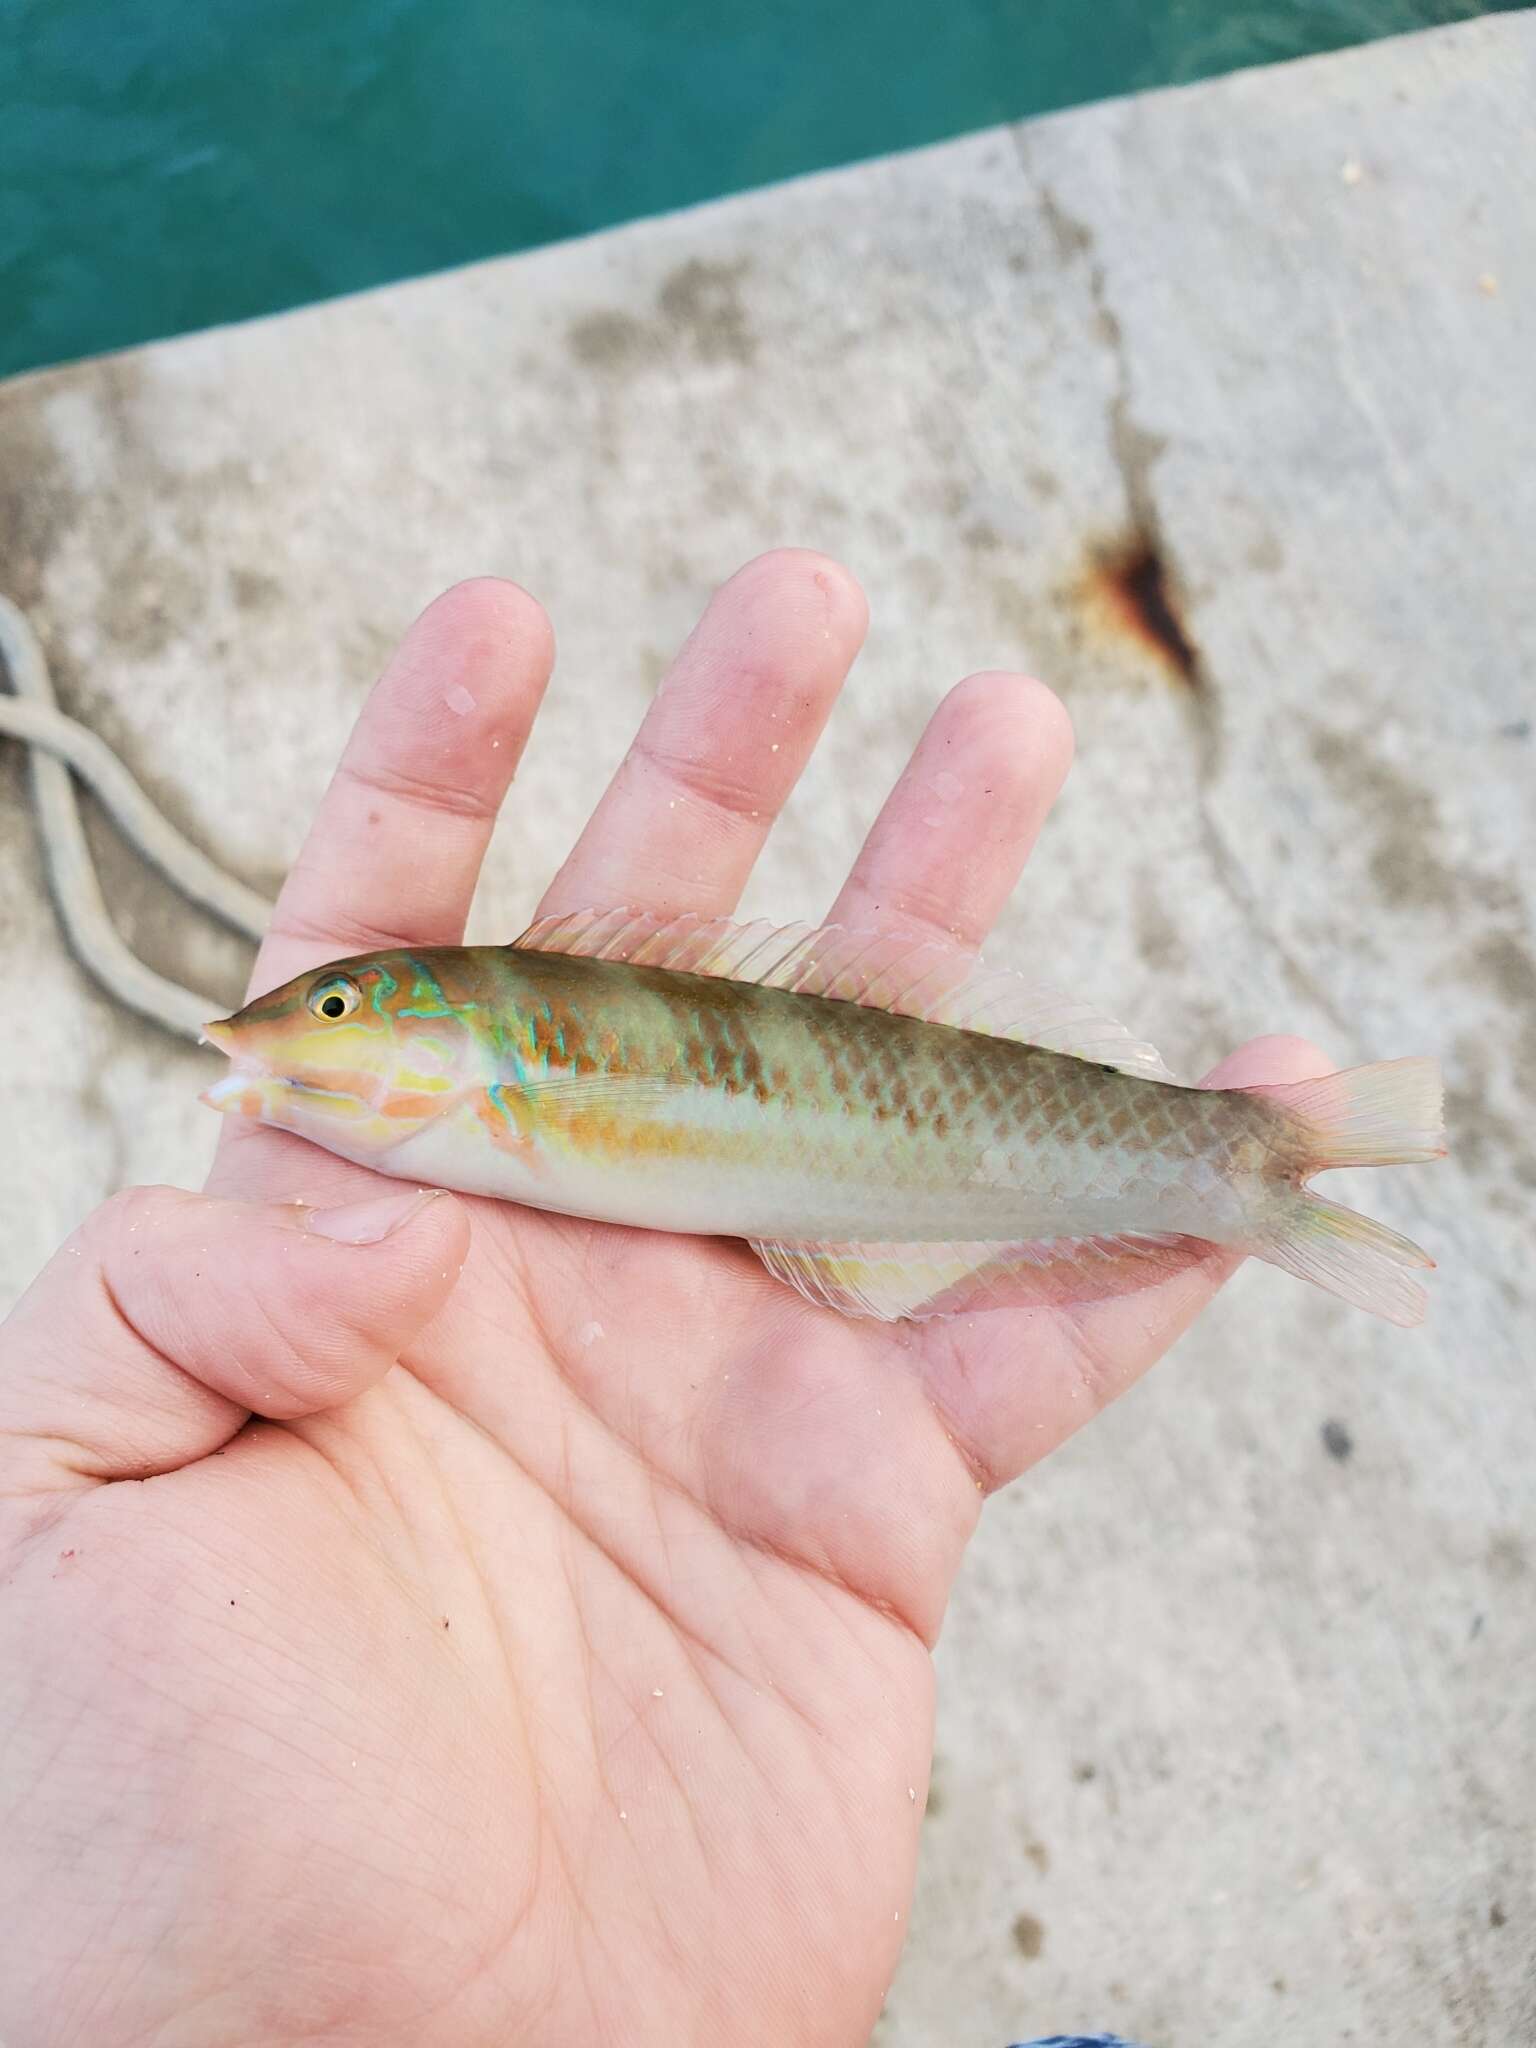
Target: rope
31,714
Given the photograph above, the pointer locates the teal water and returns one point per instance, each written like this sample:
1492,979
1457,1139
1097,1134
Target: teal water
165,164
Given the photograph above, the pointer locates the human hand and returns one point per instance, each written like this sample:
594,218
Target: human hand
392,1653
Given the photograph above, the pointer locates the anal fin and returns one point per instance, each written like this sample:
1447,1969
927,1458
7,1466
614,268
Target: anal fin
920,1282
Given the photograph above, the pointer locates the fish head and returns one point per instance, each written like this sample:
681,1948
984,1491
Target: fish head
356,1056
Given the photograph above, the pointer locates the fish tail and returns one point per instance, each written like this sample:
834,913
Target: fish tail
1388,1114
1350,1255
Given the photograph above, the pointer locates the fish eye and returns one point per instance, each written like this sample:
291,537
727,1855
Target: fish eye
334,998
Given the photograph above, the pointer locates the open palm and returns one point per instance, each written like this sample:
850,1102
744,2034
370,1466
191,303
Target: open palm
567,1681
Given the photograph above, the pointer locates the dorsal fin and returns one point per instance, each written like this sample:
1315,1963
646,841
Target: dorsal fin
921,978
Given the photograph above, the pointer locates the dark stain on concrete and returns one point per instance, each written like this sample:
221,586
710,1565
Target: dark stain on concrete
38,500
1016,615
699,304
152,592
1480,1135
253,590
149,598
725,493
1497,1917
925,577
1072,237
1157,936
1402,814
1505,967
1507,1557
1039,1855
41,506
1136,598
610,340
828,505
1337,1441
703,301
1028,1936
668,570
149,592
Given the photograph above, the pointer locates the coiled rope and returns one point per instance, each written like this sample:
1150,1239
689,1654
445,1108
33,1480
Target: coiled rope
62,749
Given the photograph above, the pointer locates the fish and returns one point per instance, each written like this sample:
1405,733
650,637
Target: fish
897,1133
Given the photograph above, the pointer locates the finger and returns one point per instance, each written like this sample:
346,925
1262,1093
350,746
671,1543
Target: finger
395,849
1262,1061
722,744
944,854
169,1318
1081,1359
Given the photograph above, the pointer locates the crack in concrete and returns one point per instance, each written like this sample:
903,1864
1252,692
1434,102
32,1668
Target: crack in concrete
1233,880
1136,451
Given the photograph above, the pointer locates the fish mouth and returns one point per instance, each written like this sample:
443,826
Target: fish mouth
249,1088
242,1087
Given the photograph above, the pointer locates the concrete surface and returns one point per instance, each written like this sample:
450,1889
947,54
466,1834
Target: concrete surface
1238,1732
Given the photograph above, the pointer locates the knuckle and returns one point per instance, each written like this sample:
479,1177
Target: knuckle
398,784
702,782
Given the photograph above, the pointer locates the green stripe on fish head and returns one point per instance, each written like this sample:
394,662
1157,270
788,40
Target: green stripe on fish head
356,1056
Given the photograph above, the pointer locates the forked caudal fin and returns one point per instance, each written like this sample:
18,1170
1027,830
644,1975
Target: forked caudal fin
1350,1255
1389,1114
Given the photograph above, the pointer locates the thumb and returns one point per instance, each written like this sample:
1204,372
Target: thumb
169,1318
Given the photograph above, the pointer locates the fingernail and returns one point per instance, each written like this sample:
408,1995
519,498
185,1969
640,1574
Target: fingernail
370,1222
